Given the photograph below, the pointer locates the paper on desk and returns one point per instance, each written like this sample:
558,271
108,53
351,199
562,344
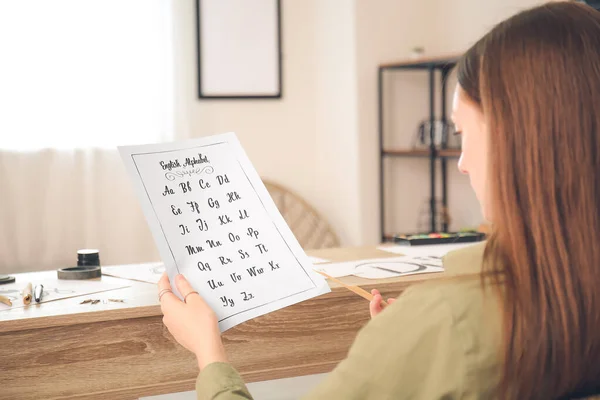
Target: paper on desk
151,272
379,268
435,250
148,272
214,221
55,289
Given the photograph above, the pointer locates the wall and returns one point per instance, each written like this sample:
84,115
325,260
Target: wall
337,144
290,141
386,32
278,135
470,19
320,140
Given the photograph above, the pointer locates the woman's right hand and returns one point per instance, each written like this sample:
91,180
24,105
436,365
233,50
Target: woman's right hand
375,305
193,323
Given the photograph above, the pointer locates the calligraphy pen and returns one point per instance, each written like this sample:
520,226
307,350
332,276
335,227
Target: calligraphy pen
359,291
5,300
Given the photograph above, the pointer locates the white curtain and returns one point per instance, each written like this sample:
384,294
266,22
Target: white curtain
78,78
57,201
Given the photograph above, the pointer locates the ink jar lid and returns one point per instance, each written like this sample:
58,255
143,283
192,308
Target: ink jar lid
88,257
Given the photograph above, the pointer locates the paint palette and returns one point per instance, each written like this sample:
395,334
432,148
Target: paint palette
439,238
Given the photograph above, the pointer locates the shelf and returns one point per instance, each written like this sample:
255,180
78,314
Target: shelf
442,153
449,153
425,62
437,68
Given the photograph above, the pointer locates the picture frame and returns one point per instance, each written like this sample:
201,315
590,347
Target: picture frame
239,49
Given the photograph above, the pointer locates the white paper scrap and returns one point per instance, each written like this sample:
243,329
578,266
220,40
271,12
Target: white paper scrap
317,260
148,272
384,267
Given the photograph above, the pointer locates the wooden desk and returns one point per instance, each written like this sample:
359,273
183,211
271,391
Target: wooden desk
64,349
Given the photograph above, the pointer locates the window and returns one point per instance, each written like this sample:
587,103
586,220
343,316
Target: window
84,73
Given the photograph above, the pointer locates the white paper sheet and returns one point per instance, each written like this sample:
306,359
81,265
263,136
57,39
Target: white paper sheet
379,268
148,272
213,221
317,260
55,289
435,250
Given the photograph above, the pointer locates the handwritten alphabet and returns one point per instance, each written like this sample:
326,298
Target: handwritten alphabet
168,191
214,222
243,214
184,229
185,187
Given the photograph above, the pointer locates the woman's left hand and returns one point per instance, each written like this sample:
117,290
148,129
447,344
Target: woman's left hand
375,306
193,323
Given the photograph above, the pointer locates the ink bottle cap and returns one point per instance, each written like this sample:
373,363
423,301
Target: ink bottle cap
88,257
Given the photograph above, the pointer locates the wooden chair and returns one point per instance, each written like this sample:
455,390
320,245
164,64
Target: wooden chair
311,230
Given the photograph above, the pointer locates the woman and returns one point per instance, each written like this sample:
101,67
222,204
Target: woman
528,325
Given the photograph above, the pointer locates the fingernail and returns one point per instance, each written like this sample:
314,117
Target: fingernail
179,277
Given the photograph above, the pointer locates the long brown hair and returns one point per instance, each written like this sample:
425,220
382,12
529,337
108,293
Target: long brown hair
536,77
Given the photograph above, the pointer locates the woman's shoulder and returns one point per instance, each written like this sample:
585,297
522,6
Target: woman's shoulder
449,326
461,304
467,260
458,299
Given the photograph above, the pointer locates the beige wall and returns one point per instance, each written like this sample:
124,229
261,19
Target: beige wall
306,141
320,140
386,31
470,19
337,143
278,135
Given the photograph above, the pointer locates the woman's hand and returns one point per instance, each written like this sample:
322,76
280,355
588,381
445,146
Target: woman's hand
375,305
193,323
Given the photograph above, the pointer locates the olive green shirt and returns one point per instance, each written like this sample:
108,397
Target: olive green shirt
439,340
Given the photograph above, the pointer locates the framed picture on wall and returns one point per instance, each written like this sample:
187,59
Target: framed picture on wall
239,49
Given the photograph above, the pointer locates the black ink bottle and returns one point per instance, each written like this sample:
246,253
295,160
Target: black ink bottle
88,258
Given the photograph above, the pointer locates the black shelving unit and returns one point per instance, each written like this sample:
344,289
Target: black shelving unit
444,65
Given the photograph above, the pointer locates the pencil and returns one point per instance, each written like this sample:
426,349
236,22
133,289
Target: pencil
359,291
5,300
27,294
